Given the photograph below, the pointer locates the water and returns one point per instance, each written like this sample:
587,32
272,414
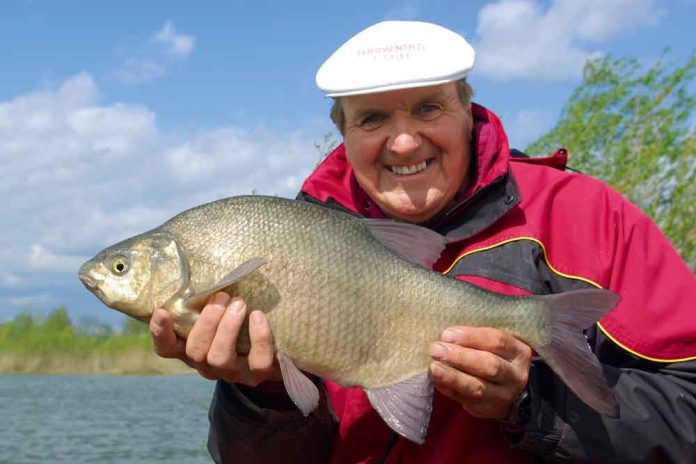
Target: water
117,419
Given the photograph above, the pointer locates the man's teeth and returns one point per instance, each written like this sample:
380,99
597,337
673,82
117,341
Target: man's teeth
405,170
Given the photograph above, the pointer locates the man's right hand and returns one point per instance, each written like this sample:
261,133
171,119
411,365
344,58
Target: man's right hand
211,346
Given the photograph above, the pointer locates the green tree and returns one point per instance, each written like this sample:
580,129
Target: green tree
21,325
58,321
634,129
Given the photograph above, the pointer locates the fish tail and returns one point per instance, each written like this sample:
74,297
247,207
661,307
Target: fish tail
568,352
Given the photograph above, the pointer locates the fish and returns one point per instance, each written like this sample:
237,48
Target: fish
350,299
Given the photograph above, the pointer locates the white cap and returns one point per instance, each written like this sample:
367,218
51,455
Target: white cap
396,55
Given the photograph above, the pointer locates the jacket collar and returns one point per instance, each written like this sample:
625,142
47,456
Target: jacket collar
488,197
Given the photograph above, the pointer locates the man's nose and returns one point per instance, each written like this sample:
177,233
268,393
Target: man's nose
405,138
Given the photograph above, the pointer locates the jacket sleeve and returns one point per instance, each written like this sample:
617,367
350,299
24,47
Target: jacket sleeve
648,355
657,421
241,431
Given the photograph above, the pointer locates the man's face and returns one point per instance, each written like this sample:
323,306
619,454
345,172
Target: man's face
409,148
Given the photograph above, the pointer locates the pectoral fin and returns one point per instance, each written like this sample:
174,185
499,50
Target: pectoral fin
237,274
406,406
301,390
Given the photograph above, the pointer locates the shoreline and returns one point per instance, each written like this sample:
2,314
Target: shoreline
122,363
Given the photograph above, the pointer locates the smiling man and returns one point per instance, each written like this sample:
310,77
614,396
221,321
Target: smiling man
416,149
409,148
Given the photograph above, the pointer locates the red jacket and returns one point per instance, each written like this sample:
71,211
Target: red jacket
527,226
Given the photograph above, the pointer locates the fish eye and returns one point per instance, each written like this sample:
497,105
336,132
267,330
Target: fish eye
119,265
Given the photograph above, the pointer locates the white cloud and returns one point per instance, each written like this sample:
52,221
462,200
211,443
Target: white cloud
52,137
43,259
28,301
8,279
181,45
519,38
80,174
156,57
599,20
525,126
137,70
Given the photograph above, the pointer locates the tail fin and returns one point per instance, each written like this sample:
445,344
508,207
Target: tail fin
568,353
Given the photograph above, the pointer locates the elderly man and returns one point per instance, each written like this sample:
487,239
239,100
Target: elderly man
416,149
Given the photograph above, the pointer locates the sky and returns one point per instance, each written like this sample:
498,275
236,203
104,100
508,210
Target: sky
114,116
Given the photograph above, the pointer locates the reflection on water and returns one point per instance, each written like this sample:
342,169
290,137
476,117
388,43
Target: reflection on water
119,419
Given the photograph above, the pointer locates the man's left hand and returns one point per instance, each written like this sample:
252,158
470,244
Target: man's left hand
482,368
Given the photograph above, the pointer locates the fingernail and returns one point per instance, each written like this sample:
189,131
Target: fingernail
158,320
450,336
221,298
437,371
236,306
257,317
437,350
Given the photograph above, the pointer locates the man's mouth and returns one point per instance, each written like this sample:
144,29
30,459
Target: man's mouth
408,170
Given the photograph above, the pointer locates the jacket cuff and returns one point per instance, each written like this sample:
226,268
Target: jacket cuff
230,398
241,431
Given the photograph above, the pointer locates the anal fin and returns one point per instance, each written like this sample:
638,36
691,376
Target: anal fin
405,406
300,388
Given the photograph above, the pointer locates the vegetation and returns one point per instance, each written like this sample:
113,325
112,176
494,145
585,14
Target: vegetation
56,333
634,129
55,344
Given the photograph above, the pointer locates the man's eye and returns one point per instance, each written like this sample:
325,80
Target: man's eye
429,110
372,120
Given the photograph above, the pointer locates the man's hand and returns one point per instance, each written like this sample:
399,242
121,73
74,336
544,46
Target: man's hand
211,346
483,369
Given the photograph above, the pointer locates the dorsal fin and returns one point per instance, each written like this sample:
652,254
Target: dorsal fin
412,242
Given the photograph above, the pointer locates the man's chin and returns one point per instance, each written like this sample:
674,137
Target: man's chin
410,209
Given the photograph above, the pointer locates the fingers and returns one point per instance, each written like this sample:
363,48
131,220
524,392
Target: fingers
485,352
203,332
223,349
484,369
478,363
486,339
480,398
261,355
165,342
463,386
211,347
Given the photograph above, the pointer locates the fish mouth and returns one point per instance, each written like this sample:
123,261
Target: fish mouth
92,285
88,281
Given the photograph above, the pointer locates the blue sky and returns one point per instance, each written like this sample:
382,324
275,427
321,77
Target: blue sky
116,115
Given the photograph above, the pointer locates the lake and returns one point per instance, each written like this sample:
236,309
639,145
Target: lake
119,419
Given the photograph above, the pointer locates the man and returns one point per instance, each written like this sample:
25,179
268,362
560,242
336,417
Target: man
416,149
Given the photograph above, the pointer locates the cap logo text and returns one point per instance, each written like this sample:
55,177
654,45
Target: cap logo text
390,52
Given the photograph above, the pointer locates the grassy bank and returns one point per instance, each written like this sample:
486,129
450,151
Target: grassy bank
90,363
53,345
